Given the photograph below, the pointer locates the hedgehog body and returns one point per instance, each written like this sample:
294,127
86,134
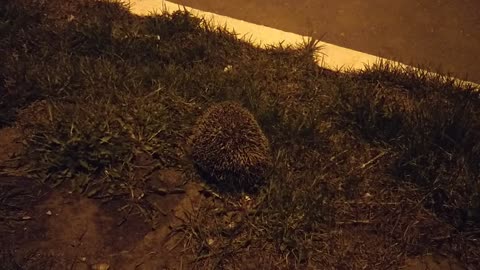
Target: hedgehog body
228,144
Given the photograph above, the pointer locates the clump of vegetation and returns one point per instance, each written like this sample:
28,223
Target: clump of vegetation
229,145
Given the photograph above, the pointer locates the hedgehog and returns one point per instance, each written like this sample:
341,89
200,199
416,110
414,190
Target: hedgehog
228,145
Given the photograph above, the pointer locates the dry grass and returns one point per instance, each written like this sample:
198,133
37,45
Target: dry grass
369,168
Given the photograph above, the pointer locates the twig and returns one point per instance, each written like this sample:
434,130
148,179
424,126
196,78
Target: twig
367,203
176,243
373,160
139,264
159,209
439,238
353,222
208,192
337,155
83,234
206,256
164,192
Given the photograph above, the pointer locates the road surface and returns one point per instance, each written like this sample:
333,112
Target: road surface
439,35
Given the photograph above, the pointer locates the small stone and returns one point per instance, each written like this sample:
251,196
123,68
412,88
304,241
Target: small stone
367,195
83,259
49,213
210,241
228,68
26,217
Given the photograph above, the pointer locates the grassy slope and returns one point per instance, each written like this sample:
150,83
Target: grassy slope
370,167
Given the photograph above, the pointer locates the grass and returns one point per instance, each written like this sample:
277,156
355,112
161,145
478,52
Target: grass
370,167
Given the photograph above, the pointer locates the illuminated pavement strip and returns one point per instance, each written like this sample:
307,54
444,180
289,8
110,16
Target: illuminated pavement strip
330,56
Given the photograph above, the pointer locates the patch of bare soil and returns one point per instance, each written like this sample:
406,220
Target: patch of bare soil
81,233
432,262
10,143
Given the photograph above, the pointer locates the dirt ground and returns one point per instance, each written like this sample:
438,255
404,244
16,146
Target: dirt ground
78,233
60,230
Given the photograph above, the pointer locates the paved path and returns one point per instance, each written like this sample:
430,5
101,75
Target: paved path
441,35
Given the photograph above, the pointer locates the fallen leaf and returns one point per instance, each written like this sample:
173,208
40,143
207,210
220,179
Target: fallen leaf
100,266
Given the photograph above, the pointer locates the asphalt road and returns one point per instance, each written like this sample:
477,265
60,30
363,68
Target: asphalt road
440,35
